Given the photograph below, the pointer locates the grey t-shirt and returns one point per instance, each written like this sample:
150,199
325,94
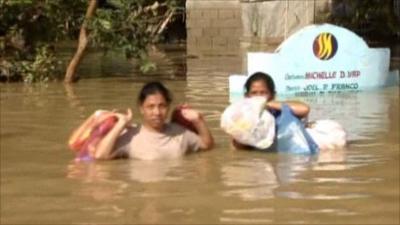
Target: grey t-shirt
141,143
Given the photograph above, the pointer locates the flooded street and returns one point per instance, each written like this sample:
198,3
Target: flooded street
41,184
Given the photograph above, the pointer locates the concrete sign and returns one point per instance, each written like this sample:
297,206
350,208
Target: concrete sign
320,59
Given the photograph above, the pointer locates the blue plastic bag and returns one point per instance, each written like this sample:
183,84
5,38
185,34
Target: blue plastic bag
291,134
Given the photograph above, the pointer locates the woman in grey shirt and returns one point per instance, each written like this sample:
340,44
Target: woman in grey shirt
154,138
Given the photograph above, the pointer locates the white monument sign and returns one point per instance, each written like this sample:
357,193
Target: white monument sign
320,59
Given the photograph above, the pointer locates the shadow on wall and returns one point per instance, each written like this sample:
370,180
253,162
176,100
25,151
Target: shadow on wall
176,30
376,21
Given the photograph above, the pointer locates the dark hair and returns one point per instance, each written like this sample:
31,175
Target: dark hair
154,88
260,76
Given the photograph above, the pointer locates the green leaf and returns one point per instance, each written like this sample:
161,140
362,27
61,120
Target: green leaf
105,24
147,67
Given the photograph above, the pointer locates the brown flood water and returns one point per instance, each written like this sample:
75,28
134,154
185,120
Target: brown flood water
40,183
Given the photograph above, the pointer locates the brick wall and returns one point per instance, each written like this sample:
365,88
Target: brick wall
214,27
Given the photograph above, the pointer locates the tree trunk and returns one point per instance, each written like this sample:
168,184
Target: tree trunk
82,43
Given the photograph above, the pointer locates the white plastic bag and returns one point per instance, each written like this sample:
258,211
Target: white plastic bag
328,134
249,123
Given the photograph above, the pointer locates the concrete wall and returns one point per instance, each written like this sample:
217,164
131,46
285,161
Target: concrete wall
273,21
224,27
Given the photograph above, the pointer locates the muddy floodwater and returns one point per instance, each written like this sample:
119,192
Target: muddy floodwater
41,184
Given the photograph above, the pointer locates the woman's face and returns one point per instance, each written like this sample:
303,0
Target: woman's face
258,88
154,110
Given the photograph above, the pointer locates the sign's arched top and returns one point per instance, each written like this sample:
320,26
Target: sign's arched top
306,37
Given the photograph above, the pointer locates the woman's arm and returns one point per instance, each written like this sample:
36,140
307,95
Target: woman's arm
207,141
205,135
105,147
300,109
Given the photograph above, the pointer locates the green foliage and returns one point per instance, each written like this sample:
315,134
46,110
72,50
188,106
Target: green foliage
146,65
42,68
132,26
29,30
40,21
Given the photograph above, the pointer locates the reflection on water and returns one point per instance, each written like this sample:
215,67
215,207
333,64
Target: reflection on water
249,179
97,185
154,171
40,183
332,160
141,171
253,179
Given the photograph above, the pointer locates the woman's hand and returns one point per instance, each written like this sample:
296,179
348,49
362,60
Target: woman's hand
275,105
124,119
105,147
299,109
196,118
191,115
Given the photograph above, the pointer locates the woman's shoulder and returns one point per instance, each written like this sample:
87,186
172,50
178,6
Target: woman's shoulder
175,128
